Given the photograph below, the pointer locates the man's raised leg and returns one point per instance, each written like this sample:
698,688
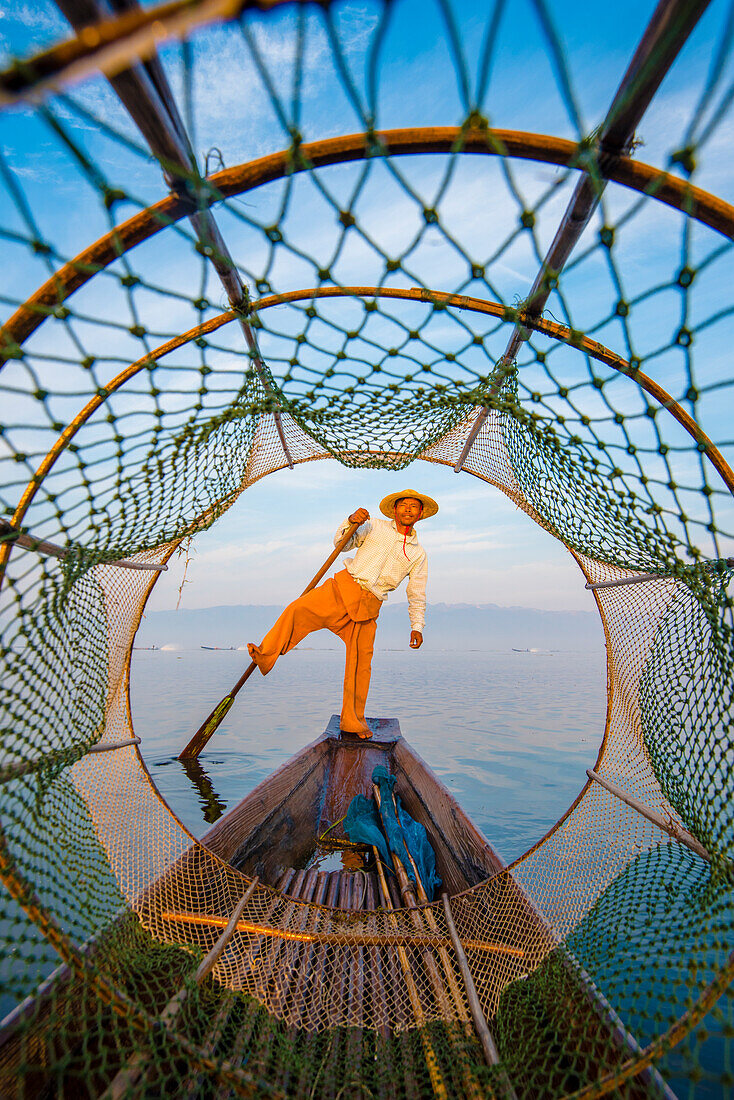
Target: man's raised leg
313,611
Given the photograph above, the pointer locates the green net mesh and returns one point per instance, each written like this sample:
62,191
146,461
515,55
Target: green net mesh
311,233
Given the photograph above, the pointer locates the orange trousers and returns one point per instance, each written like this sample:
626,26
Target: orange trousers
343,607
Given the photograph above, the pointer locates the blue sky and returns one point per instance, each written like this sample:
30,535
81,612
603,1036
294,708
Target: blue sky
482,549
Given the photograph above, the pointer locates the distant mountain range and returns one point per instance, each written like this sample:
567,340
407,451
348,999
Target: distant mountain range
448,626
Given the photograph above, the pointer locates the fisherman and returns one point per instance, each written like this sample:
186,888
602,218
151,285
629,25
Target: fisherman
348,604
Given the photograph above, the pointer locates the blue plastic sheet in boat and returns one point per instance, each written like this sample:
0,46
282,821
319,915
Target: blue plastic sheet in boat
390,832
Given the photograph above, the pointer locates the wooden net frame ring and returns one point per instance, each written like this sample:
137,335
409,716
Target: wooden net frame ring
231,182
112,45
459,301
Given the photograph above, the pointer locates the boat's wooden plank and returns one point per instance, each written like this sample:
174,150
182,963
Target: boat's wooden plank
350,773
291,958
264,1055
332,894
321,953
376,983
385,731
340,970
343,969
312,1051
264,833
357,988
278,948
249,959
378,1005
298,991
355,1036
310,950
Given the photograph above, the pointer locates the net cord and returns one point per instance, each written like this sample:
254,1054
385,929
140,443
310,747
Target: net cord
670,26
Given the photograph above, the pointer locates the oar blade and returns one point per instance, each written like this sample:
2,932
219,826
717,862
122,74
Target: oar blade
205,731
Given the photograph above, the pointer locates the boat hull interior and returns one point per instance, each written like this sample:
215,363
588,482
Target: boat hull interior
280,823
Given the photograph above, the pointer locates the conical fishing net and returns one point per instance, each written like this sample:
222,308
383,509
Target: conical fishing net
238,237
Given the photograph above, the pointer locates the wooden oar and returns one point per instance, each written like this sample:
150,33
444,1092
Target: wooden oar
212,723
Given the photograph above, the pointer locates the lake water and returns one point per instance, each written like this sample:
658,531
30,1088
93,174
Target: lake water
511,734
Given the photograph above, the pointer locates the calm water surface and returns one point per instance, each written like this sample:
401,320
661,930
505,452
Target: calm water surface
511,734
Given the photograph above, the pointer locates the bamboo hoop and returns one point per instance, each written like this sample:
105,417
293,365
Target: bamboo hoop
459,301
232,182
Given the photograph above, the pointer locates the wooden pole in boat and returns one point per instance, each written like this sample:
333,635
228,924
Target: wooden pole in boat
480,1022
427,913
437,1082
471,1087
212,723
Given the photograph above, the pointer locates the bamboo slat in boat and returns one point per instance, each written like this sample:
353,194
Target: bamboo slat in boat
266,1051
299,991
397,1001
355,1015
379,1006
267,968
340,967
437,1082
356,993
321,973
286,965
319,966
257,944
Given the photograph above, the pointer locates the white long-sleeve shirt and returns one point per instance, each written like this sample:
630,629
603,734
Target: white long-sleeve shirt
384,559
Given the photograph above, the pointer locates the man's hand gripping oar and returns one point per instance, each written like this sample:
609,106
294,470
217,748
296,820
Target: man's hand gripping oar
212,723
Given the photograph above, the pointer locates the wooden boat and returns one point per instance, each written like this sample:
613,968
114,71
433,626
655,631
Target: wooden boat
331,945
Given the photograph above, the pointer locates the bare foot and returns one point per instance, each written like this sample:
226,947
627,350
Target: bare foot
364,734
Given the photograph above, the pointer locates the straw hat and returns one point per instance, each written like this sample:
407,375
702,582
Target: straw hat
387,506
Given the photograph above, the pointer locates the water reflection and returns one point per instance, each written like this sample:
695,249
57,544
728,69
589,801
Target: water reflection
179,795
210,802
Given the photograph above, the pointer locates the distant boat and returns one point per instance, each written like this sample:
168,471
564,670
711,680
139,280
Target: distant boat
520,650
145,647
227,647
